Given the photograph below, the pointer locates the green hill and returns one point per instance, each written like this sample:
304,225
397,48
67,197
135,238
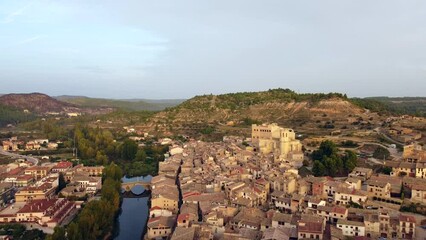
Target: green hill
132,104
282,106
10,115
394,105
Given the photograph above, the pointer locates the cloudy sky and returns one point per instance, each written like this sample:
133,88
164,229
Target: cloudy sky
178,49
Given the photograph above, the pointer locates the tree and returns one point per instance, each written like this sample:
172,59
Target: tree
333,162
140,156
386,170
349,161
101,158
61,183
326,149
129,149
330,166
318,169
58,234
73,232
381,153
114,172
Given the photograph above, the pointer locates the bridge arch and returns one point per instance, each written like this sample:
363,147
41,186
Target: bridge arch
130,185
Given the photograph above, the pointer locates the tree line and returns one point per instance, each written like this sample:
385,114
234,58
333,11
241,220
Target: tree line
96,220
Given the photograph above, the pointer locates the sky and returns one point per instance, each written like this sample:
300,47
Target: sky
179,49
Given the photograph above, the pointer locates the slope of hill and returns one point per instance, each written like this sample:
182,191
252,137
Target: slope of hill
282,106
10,115
132,104
35,102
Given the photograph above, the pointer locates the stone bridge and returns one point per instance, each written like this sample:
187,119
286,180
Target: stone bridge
127,186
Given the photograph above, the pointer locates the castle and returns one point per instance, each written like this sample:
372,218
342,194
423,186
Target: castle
282,142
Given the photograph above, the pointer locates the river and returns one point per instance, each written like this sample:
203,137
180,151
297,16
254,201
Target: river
134,213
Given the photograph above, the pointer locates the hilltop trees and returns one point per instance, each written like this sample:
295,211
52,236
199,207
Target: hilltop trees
327,160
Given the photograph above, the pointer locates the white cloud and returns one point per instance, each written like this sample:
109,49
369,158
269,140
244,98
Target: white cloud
29,40
11,16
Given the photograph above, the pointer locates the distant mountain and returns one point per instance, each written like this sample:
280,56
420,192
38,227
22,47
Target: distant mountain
35,102
128,104
394,105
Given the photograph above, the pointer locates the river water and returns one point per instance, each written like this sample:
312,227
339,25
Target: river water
134,213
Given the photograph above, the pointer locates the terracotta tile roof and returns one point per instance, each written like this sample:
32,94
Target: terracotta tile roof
339,210
311,227
155,208
406,218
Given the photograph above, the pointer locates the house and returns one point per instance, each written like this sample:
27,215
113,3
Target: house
395,182
402,168
421,170
10,145
331,186
363,173
372,225
407,227
37,172
62,166
282,220
279,233
24,180
414,153
338,213
332,213
89,184
284,204
52,146
160,227
286,183
345,195
354,182
249,218
7,193
311,227
418,193
188,215
396,225
31,145
378,189
156,211
183,233
314,202
351,228
93,171
166,197
41,141
26,194
46,212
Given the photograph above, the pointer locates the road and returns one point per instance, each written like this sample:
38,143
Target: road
28,158
384,135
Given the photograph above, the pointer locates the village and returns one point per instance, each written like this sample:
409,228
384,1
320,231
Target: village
257,187
47,195
251,188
